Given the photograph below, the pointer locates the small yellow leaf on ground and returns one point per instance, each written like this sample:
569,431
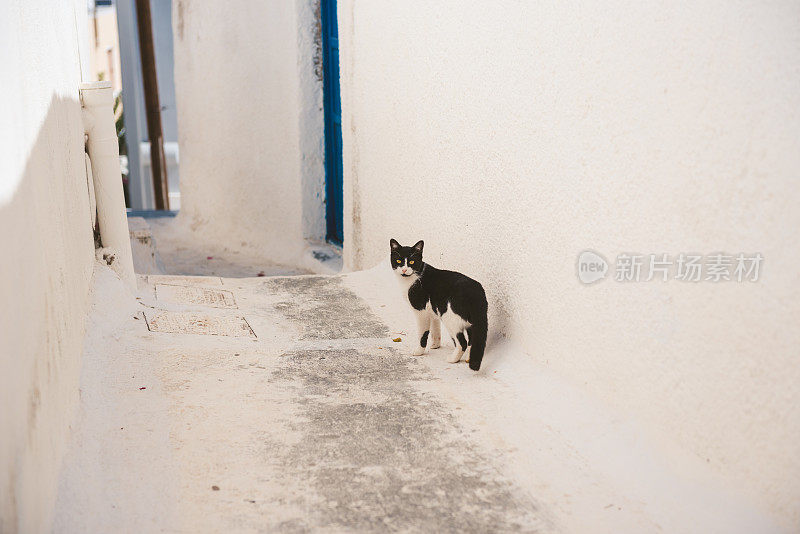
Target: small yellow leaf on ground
397,340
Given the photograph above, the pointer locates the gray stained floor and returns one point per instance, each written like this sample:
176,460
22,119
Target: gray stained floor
315,423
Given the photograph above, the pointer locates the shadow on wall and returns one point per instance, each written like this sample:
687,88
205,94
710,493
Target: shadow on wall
48,249
500,325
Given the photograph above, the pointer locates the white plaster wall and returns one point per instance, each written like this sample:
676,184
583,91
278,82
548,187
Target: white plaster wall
250,124
47,250
512,135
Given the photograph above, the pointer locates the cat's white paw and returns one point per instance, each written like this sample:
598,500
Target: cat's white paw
436,343
419,351
455,357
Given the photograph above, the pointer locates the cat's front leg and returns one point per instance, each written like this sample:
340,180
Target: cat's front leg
436,331
423,323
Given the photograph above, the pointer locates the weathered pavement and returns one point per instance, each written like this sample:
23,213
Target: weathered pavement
281,404
287,408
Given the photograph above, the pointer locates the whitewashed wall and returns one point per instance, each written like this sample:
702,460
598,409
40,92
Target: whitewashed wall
512,135
46,250
250,124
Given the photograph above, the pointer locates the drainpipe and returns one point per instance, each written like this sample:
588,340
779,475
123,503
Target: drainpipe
97,101
158,165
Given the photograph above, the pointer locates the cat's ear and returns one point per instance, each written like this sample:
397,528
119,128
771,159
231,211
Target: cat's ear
419,245
394,244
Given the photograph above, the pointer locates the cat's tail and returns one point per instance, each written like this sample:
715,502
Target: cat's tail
477,340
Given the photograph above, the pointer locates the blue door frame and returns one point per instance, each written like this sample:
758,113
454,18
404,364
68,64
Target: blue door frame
334,206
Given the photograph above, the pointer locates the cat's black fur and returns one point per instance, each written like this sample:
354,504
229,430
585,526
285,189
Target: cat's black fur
464,295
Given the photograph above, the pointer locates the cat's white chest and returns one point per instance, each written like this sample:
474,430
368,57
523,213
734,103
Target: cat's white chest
404,283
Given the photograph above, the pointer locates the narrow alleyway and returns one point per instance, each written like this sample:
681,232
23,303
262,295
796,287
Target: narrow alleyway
283,404
202,329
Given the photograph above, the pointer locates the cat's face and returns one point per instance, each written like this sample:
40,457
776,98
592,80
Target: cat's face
406,261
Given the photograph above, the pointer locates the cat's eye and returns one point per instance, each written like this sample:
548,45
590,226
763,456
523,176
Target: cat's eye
411,262
398,261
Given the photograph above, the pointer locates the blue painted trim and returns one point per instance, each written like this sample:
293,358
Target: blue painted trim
334,197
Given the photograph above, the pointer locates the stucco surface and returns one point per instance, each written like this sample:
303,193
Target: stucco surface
250,124
513,135
47,251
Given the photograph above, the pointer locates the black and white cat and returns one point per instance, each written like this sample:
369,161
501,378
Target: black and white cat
434,294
